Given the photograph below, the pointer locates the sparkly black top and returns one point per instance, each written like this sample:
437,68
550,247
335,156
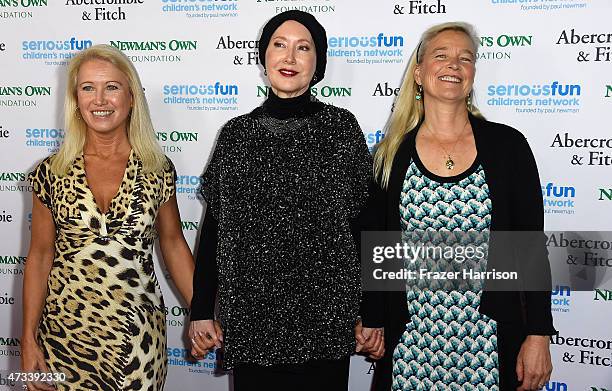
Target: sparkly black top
283,187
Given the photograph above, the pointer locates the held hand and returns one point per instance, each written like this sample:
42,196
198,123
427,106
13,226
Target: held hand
533,365
370,341
204,335
33,360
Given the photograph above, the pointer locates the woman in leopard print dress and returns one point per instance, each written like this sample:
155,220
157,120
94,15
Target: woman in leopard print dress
93,308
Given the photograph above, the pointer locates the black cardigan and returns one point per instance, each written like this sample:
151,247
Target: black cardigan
516,197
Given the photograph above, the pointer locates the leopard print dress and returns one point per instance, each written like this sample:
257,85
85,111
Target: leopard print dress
103,322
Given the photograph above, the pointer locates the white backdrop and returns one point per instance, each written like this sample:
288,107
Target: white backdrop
544,68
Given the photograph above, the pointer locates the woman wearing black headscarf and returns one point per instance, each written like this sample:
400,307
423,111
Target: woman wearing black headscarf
284,188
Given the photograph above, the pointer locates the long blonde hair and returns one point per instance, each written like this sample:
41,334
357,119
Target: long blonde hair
140,131
408,111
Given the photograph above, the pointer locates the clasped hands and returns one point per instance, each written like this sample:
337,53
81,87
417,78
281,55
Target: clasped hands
370,341
206,335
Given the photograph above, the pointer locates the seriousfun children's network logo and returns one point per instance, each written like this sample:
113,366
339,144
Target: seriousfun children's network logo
538,6
544,98
188,185
555,386
558,199
208,9
373,138
20,9
374,49
209,97
53,52
49,139
181,357
560,298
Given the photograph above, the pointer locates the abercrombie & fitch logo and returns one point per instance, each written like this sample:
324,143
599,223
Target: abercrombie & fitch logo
103,13
600,52
420,7
6,217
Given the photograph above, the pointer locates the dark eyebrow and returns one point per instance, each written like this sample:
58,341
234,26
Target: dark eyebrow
299,40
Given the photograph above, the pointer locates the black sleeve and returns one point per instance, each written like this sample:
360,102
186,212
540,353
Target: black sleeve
373,303
206,273
533,254
353,146
363,217
205,277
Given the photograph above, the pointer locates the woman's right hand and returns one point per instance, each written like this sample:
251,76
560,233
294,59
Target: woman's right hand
33,360
204,335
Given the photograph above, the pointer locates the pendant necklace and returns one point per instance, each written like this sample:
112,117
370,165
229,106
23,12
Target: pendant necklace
449,163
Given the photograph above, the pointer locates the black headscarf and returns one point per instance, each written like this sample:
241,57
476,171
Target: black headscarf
316,31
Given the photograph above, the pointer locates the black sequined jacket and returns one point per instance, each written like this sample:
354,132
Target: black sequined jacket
283,188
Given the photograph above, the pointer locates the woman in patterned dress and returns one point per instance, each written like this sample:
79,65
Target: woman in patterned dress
443,168
92,306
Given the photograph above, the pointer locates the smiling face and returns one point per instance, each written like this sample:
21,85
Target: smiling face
103,97
447,68
291,60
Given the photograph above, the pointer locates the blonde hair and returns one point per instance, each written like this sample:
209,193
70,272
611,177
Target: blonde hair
408,111
140,131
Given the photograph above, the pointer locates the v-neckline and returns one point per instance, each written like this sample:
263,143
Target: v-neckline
119,188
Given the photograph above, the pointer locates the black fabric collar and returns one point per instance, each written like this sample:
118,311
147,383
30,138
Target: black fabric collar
283,108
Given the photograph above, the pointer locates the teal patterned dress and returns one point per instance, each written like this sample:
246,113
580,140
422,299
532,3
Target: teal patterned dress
447,344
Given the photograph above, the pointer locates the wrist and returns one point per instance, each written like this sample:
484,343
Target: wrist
539,338
29,338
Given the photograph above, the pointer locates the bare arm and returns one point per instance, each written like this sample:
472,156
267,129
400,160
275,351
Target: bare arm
175,251
36,275
38,266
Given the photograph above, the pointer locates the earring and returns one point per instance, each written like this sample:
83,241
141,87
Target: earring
265,72
315,79
469,101
419,93
77,113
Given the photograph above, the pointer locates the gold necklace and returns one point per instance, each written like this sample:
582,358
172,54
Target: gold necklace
449,163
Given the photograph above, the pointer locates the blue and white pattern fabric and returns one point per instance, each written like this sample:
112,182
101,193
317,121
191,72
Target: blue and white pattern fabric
447,344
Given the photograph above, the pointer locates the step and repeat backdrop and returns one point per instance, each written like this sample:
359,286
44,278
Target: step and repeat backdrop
543,67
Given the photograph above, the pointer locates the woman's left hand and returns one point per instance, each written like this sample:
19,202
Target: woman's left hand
370,341
533,365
